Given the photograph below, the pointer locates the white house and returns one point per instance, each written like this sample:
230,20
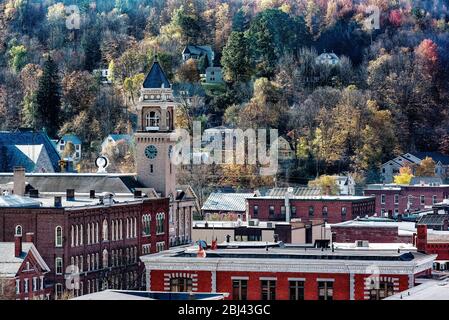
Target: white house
346,185
75,140
328,58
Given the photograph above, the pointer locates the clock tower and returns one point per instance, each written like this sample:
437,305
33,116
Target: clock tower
156,112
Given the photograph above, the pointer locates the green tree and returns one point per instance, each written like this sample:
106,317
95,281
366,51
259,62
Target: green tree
236,58
327,184
17,57
48,99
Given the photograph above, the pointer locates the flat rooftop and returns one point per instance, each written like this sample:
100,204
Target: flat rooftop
47,200
334,198
150,295
400,186
292,252
429,290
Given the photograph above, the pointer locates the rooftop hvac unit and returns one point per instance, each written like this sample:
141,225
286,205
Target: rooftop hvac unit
253,222
269,225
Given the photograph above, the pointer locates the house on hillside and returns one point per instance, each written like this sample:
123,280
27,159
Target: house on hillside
391,168
196,52
328,58
75,140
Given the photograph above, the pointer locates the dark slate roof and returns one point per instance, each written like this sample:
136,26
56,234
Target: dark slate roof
436,156
156,78
184,89
11,156
433,219
81,182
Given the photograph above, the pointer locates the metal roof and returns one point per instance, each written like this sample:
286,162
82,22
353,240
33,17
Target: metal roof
297,191
15,201
226,201
156,78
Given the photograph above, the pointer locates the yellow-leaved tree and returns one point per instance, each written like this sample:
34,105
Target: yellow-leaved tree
426,168
327,184
404,177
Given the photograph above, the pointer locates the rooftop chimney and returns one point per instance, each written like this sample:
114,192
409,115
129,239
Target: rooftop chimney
34,193
137,193
58,202
70,194
29,237
92,194
17,246
19,181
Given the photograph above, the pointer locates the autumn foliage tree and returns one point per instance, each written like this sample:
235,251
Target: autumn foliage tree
404,177
426,168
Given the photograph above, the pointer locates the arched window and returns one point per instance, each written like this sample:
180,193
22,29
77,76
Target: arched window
105,258
76,236
152,119
81,263
160,217
88,233
97,261
58,236
169,120
112,230
92,230
88,262
96,233
135,227
127,228
105,230
121,229
325,211
117,234
18,231
113,258
81,234
127,255
72,235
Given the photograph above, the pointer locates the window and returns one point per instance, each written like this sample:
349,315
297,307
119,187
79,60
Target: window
325,212
271,210
396,199
283,210
256,210
239,289
18,231
58,266
180,284
25,286
344,211
160,220
58,290
434,199
422,200
152,119
17,286
293,211
88,233
325,290
105,258
296,290
382,199
311,211
151,168
58,236
35,286
380,290
112,230
105,230
268,290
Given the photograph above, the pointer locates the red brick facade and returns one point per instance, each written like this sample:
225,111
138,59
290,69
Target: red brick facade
224,282
396,199
120,250
440,248
338,210
378,234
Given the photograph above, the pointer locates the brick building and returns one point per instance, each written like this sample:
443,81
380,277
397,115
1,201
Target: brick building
392,200
380,231
434,242
288,272
22,271
331,209
96,237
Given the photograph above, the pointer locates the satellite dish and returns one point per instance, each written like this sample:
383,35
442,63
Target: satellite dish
102,163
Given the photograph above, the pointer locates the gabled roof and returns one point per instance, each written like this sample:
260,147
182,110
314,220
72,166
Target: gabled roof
156,78
118,137
436,156
218,201
28,149
10,264
70,137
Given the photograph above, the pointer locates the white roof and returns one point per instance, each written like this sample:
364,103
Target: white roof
376,246
429,290
402,226
10,264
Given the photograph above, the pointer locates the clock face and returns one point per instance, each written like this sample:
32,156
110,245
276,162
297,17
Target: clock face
151,152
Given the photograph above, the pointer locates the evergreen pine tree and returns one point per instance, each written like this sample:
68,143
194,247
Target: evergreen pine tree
48,99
